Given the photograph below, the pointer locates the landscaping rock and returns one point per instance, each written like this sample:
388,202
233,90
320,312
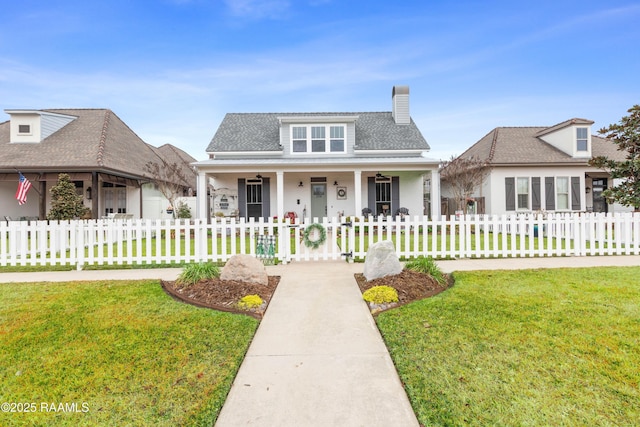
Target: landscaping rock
381,261
245,268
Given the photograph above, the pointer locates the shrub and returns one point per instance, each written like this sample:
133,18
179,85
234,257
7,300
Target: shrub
250,301
380,295
426,266
184,211
193,273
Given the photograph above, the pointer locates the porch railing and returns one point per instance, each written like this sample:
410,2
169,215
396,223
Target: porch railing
142,242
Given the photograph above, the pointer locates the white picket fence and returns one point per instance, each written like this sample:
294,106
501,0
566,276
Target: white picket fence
141,242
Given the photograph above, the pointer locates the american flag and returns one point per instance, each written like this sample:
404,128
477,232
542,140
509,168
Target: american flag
23,188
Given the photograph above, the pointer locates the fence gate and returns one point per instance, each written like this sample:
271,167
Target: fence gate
329,239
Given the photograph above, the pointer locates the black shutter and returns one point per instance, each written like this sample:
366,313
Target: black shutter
242,198
266,198
510,193
535,193
575,193
549,194
395,194
371,193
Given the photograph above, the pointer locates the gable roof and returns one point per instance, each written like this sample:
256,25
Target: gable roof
523,145
261,132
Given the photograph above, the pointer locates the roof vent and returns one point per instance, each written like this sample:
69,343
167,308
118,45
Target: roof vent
400,98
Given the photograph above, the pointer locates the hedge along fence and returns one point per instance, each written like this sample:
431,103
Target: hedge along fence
144,242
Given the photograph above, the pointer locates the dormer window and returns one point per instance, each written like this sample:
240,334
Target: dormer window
582,139
318,139
24,129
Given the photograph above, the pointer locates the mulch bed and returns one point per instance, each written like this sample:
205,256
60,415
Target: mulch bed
222,295
411,285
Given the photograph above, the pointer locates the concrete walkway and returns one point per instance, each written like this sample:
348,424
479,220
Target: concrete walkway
317,358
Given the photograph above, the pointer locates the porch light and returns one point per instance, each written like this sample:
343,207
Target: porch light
335,182
301,184
88,193
587,190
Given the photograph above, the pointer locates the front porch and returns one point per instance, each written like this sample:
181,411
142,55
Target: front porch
296,191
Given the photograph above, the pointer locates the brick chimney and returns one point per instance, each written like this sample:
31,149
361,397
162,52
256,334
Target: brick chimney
400,98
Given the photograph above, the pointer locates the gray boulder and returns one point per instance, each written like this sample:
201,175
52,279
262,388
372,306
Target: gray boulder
381,260
245,268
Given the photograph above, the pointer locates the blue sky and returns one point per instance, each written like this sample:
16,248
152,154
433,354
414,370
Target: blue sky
171,69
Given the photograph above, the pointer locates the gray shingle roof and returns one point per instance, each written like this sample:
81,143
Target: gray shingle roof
522,145
261,132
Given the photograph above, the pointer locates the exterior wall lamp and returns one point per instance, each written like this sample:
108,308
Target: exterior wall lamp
88,193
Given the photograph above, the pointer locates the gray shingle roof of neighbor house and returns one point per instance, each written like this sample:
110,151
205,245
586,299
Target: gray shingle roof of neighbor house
96,140
522,145
261,132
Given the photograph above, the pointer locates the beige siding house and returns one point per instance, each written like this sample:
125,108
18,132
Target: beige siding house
536,169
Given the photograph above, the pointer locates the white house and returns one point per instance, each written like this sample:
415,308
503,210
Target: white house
315,165
542,169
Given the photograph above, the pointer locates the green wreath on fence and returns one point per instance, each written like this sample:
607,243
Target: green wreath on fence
308,232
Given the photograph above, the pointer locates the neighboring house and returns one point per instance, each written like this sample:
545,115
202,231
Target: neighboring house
316,165
103,156
535,169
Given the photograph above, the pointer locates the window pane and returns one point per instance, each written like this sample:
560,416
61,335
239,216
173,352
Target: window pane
563,201
523,201
299,146
563,185
317,132
337,145
337,132
582,133
582,145
317,146
299,132
523,185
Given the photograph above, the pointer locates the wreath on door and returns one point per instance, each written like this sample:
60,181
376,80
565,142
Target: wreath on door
314,236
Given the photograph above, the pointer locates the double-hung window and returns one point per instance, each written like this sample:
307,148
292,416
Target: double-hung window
582,139
523,193
562,193
299,139
318,139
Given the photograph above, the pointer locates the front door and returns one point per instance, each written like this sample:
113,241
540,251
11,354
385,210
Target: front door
599,202
318,200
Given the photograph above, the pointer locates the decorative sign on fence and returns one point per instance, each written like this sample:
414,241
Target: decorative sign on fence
266,248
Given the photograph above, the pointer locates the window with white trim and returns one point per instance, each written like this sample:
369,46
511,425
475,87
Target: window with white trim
522,193
318,139
24,129
562,193
582,139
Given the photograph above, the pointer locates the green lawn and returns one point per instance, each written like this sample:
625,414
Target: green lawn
537,347
124,351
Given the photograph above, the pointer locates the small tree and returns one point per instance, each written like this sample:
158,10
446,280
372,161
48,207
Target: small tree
464,175
626,135
65,203
170,180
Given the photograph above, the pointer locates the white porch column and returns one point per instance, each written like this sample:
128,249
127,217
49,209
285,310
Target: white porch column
202,196
435,194
280,193
357,191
